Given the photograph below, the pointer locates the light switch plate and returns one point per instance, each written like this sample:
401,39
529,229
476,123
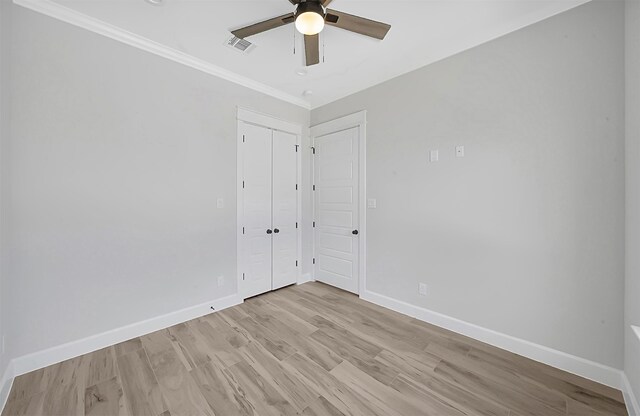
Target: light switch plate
220,203
220,281
372,203
459,151
434,156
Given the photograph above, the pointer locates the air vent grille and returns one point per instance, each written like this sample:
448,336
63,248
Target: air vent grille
241,45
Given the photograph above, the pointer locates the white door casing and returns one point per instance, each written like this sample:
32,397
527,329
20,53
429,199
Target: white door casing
256,197
285,209
339,171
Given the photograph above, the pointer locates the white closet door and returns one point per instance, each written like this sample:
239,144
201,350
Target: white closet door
336,207
285,209
256,256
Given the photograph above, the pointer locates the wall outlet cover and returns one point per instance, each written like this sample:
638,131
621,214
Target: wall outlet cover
220,280
422,289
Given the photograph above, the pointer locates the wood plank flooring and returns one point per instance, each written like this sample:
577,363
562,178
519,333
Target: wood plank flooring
306,350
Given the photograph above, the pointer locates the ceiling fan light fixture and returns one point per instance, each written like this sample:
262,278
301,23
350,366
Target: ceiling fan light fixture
310,18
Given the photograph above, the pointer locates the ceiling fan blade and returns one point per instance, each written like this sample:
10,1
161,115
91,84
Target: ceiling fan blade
263,26
357,24
312,49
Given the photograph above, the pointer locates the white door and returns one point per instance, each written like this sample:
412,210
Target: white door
285,209
336,209
256,194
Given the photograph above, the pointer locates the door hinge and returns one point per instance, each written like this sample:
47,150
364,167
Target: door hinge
242,230
242,184
296,263
297,147
314,224
296,187
314,187
243,138
242,276
313,149
314,261
296,226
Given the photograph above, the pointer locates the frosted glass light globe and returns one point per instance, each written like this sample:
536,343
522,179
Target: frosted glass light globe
310,23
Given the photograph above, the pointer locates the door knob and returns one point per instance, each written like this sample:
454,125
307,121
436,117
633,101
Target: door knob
354,232
275,230
269,231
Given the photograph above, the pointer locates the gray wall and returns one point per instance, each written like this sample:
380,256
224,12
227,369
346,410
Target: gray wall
117,158
4,129
632,291
524,235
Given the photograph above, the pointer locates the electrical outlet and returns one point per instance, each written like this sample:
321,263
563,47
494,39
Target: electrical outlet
434,156
220,281
459,151
422,289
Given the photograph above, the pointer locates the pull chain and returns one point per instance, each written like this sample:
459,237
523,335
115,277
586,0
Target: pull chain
323,47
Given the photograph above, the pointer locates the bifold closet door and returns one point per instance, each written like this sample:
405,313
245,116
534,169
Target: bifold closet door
285,209
256,256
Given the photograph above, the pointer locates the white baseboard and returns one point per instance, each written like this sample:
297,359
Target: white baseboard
576,365
633,408
585,368
305,278
5,384
40,359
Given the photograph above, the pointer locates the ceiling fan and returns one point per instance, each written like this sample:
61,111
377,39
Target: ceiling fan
310,17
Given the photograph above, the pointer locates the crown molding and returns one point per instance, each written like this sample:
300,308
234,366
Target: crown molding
65,14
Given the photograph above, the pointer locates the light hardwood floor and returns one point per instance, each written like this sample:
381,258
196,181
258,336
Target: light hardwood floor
310,350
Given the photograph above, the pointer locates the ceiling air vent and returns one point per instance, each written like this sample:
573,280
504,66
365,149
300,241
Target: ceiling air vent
241,45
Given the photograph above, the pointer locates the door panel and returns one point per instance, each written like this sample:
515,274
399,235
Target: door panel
331,218
336,209
335,195
285,209
257,255
338,243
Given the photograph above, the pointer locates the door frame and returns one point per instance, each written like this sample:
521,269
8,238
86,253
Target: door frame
248,116
358,120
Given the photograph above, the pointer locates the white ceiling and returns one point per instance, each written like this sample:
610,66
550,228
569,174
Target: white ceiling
423,31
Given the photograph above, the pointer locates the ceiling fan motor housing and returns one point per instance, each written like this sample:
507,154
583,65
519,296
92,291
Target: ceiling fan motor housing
313,6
